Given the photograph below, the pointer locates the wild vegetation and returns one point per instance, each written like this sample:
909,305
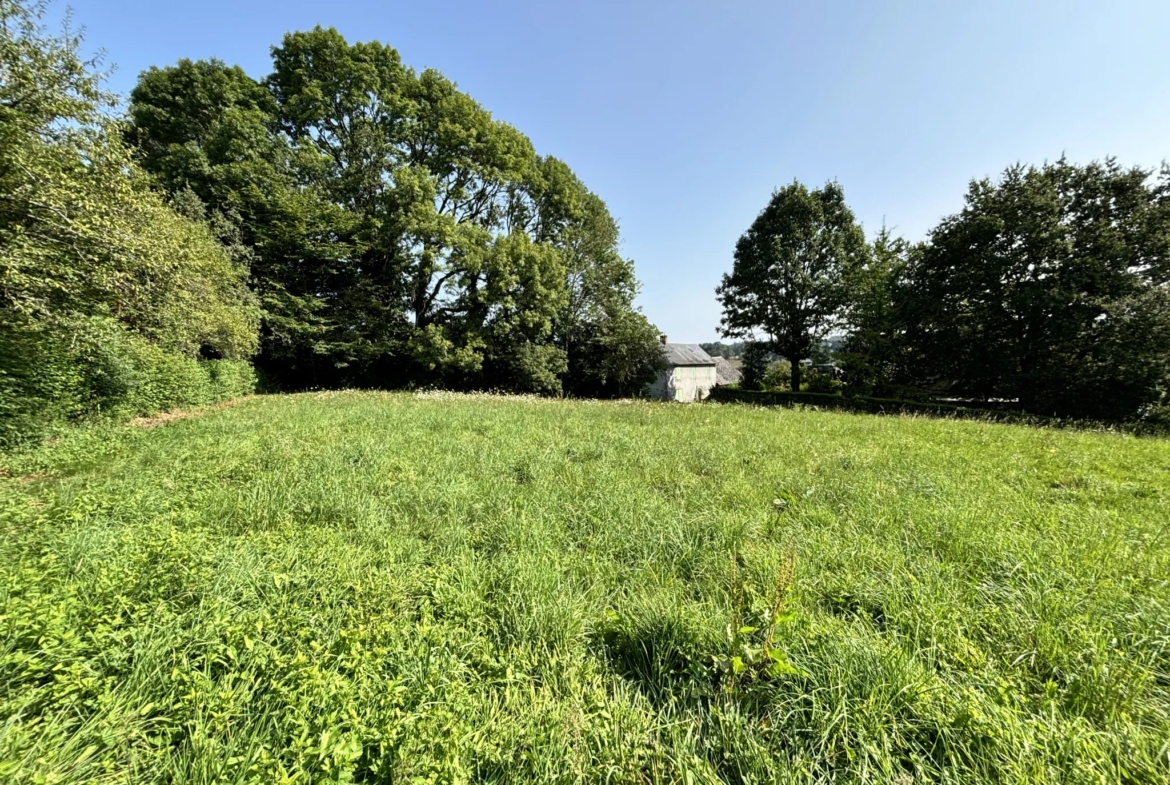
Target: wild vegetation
1050,290
344,221
439,587
371,587
108,295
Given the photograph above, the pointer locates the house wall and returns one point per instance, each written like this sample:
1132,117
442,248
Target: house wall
684,383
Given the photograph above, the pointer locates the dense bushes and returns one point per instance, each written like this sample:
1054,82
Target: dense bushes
47,378
108,295
1155,423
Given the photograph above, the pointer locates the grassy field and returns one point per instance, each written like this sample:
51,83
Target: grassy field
389,588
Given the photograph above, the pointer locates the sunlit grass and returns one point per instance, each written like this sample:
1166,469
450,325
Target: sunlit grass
389,588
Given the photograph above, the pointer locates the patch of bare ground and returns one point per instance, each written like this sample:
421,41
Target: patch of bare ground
174,415
6,473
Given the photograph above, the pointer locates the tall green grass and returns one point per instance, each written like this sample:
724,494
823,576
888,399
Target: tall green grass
389,588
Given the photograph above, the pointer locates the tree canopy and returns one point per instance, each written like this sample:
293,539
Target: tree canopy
788,278
98,272
1050,287
1048,292
399,233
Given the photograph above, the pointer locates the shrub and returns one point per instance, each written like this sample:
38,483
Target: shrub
856,403
821,382
106,293
778,376
230,378
39,382
94,367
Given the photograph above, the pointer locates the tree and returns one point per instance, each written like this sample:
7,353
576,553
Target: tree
209,129
1049,288
787,280
400,234
724,350
81,232
874,352
610,347
756,360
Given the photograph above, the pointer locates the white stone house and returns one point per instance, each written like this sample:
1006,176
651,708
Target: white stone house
689,374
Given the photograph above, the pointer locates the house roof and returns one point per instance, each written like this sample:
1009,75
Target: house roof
726,373
685,354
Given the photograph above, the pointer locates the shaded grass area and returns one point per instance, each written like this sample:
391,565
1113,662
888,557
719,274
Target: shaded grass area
388,588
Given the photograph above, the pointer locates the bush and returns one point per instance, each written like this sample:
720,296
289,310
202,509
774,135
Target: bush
778,376
40,382
857,403
94,367
821,382
230,378
108,293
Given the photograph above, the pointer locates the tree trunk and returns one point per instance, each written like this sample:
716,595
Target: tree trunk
795,375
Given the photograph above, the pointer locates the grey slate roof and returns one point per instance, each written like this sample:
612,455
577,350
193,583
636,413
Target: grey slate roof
685,354
726,373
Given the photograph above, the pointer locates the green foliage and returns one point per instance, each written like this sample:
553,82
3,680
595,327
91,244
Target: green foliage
610,346
399,234
755,365
788,280
818,381
875,356
1050,288
777,377
324,588
907,403
96,367
40,383
99,278
725,350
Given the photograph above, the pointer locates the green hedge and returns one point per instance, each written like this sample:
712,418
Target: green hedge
98,369
1156,422
861,404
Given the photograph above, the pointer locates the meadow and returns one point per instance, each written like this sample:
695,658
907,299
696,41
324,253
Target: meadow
400,588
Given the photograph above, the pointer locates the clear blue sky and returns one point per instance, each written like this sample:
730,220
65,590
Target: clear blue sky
684,116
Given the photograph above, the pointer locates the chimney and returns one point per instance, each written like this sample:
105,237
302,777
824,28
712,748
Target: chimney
663,337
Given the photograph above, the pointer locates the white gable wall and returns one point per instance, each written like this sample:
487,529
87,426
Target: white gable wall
684,383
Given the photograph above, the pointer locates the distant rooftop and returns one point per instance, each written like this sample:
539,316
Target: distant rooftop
726,373
685,354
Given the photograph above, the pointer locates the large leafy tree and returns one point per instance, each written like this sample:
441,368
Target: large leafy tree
875,355
401,234
1050,287
790,265
209,129
610,347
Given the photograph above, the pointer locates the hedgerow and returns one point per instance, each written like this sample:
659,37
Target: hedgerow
108,295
